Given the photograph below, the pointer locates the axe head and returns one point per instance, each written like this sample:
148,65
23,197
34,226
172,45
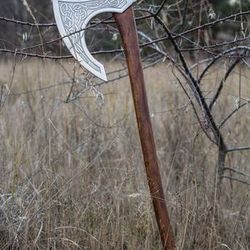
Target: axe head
72,18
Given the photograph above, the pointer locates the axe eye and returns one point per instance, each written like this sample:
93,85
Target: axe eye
72,18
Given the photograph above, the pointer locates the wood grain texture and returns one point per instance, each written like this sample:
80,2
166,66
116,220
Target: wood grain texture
127,28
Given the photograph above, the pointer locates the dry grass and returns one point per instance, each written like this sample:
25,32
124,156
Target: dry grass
72,174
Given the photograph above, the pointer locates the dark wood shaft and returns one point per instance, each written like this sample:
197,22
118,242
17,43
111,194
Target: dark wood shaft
128,31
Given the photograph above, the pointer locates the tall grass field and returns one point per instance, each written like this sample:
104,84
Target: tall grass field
72,172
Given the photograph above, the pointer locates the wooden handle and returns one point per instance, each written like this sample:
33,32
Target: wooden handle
127,28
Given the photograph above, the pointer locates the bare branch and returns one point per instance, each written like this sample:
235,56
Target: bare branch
216,96
238,149
18,22
233,113
237,171
235,179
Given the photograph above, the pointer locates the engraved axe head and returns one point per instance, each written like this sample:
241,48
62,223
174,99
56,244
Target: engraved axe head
72,17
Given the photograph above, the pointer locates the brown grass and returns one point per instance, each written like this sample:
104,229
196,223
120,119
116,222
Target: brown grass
72,175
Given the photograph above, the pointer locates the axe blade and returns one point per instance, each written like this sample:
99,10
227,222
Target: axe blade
72,18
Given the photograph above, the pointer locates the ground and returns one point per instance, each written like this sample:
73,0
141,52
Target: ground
72,175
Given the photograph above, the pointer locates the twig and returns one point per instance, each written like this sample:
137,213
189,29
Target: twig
220,56
160,8
235,179
18,22
41,56
214,99
233,113
238,149
237,172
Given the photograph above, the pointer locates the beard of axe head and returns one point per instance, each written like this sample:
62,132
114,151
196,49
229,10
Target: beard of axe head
72,19
128,32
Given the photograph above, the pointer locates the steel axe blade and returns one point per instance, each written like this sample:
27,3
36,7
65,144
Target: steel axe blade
72,18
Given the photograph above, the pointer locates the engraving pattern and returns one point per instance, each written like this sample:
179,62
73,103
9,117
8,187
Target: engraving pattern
74,16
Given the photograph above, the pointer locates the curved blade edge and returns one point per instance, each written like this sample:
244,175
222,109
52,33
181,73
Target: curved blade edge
72,17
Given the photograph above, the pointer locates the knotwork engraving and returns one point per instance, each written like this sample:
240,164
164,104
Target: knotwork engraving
75,16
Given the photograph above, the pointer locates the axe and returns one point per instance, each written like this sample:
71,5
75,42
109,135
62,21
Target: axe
72,17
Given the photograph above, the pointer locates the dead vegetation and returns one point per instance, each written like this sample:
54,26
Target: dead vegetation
72,174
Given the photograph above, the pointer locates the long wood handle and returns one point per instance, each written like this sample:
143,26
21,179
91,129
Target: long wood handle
128,31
